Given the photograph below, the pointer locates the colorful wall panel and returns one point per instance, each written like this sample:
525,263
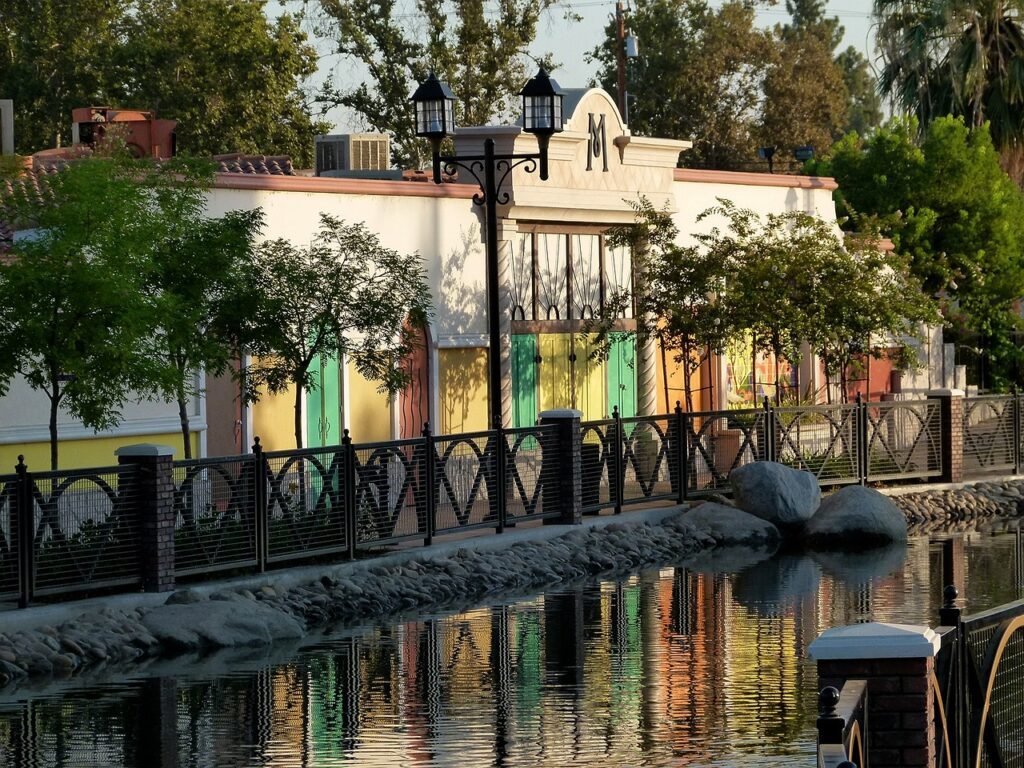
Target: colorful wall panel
462,384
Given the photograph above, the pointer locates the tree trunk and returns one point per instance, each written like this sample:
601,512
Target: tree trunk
298,415
183,417
664,375
54,406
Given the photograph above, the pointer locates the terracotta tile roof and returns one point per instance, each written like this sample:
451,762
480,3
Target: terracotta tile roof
236,162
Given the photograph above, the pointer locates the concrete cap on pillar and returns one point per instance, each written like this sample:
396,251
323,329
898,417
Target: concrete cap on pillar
561,413
876,641
144,449
945,393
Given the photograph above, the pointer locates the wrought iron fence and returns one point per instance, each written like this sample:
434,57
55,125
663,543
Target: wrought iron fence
600,458
991,436
466,472
9,539
215,514
718,442
85,530
389,505
532,465
825,440
842,725
903,439
650,452
980,686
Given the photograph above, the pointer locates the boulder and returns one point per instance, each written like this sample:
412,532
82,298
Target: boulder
219,624
729,526
781,495
855,517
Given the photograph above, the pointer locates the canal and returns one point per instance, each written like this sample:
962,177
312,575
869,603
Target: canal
701,665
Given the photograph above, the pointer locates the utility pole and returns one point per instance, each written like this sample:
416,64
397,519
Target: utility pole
620,58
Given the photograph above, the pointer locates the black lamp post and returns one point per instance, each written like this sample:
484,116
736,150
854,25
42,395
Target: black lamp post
542,116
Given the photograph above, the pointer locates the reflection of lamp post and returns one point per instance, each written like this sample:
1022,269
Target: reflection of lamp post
542,116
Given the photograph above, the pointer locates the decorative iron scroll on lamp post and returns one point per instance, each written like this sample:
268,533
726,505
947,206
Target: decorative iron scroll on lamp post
542,116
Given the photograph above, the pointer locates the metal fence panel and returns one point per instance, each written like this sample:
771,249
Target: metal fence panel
989,436
598,471
720,441
821,439
305,504
533,469
215,514
9,587
904,439
466,478
389,493
649,455
87,530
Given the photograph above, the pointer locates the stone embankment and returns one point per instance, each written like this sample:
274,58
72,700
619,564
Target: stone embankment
961,508
204,619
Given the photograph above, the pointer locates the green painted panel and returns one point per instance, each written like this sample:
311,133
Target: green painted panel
554,370
622,374
323,406
524,380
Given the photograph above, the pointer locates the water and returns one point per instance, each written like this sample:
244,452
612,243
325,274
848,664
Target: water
667,667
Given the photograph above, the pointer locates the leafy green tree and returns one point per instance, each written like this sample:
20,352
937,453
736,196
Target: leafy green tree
54,57
196,268
344,293
77,330
699,77
950,208
864,105
227,74
957,57
463,42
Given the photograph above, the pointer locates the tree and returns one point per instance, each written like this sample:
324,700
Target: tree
196,267
950,208
77,330
345,293
228,75
957,57
805,95
53,58
699,77
864,105
462,42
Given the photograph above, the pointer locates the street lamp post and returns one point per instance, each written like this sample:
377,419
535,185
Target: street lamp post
542,116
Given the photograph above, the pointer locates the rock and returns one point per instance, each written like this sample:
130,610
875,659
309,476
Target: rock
855,517
774,492
220,624
184,597
853,568
729,526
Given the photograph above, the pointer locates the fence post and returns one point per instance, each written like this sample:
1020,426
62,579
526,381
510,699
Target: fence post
1016,431
769,430
23,531
153,499
618,442
861,425
260,516
349,484
429,483
680,439
500,475
951,408
955,671
563,466
898,663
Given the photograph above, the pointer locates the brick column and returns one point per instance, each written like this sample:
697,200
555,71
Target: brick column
153,497
898,662
952,442
564,470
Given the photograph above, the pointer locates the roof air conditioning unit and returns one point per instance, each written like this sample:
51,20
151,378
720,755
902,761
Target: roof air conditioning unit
350,154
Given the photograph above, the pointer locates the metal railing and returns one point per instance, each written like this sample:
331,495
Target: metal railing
842,726
991,433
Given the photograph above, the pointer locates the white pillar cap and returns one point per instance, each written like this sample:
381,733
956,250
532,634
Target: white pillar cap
944,393
561,413
144,449
876,641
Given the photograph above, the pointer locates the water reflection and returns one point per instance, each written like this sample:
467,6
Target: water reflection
665,668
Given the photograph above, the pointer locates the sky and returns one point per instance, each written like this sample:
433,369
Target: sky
570,41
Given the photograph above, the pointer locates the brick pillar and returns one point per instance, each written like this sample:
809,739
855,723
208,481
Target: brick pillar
897,661
564,470
952,442
153,496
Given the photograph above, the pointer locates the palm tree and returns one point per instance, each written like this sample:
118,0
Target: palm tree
959,57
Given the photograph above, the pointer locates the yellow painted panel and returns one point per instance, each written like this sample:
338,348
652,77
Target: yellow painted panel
591,382
462,378
81,454
369,417
554,370
273,421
